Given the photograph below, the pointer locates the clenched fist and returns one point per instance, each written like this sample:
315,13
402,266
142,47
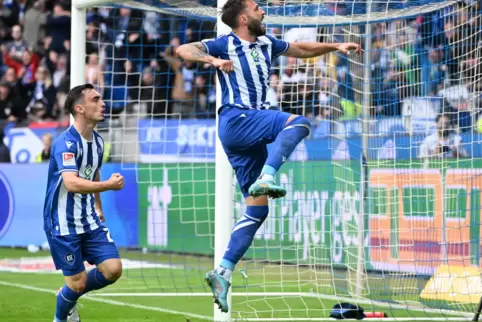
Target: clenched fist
224,65
116,181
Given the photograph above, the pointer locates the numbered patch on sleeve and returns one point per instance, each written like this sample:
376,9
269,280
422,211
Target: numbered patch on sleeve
68,159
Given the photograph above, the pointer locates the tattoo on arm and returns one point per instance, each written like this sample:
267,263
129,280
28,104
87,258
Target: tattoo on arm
195,52
200,52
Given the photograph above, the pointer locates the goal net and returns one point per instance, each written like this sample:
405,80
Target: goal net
384,199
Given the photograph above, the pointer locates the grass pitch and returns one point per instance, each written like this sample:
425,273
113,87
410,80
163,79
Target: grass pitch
160,287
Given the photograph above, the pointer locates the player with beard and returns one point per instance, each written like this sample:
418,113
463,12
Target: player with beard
243,61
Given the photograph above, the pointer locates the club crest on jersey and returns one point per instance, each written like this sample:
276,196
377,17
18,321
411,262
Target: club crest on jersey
68,159
69,258
88,172
255,55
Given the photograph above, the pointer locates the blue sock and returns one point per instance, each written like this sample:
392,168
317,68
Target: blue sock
66,300
243,234
285,144
95,281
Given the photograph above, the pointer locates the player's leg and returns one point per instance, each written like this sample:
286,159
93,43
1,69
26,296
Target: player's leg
287,131
99,249
240,130
247,165
67,256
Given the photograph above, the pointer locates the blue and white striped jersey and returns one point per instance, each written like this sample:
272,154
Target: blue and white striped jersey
248,85
67,213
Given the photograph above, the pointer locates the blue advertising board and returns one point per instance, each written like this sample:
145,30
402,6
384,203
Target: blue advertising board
22,192
176,140
194,140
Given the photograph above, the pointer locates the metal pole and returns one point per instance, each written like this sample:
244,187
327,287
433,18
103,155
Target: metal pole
360,269
77,47
223,203
366,81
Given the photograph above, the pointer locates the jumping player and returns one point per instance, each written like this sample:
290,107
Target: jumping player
243,61
73,217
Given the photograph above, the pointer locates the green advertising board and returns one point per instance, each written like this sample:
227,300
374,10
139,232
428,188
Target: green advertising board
316,219
318,222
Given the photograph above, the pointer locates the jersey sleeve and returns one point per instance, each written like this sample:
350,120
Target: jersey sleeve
278,47
216,46
65,155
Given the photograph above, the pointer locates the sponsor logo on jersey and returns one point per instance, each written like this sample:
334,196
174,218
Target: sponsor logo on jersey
255,55
88,172
68,159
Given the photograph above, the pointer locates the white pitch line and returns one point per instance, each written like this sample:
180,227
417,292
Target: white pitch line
112,302
465,315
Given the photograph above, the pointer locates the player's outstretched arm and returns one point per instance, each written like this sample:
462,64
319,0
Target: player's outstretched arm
73,183
314,49
197,52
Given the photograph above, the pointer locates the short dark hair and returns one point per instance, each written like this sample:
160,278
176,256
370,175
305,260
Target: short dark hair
74,95
231,11
439,116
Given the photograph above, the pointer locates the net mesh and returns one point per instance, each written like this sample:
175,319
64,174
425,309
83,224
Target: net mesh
383,205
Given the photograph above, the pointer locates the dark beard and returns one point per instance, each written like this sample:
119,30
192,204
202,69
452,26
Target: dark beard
256,28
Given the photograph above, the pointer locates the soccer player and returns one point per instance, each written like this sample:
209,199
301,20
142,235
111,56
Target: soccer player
73,217
243,61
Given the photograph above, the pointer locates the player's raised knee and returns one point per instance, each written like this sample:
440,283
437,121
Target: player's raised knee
112,269
300,122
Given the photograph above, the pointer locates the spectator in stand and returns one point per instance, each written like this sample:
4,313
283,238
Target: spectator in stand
152,95
93,72
26,68
438,70
4,151
182,93
37,111
130,77
205,104
59,70
11,108
44,156
444,143
94,38
23,6
10,76
18,46
41,90
124,29
9,14
59,28
34,24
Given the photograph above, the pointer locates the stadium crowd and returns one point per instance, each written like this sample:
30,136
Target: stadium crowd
131,59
